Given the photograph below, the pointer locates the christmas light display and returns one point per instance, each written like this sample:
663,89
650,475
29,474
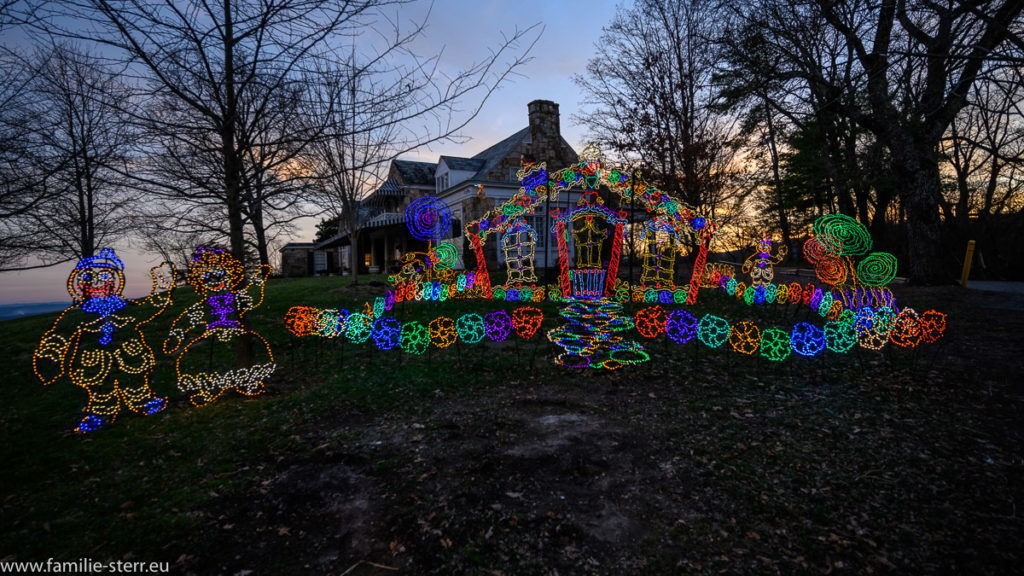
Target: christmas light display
807,339
215,322
387,333
519,245
661,242
906,331
713,271
442,332
681,326
498,325
837,239
415,338
358,328
527,321
877,269
428,218
444,256
840,335
760,264
852,300
745,337
858,298
775,344
590,338
98,344
873,327
842,233
933,325
588,234
713,330
651,321
300,321
471,328
782,294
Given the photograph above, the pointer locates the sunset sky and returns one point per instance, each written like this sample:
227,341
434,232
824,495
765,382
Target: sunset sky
465,29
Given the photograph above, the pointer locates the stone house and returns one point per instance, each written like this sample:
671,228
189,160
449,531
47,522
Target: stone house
469,186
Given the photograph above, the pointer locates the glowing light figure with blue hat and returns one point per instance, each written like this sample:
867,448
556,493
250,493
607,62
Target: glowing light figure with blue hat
98,343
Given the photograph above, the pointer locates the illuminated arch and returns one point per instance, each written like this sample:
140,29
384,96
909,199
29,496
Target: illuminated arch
538,185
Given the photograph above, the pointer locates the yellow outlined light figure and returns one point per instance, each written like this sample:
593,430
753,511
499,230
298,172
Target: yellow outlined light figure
207,330
98,343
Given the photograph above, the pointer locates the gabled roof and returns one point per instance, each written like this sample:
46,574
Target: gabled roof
493,156
413,172
462,164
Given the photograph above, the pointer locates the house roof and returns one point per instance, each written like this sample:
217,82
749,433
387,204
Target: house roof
413,172
382,220
462,164
493,156
389,189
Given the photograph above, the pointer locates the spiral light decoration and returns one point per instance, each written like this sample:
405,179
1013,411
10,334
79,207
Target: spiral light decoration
877,269
428,218
444,256
839,231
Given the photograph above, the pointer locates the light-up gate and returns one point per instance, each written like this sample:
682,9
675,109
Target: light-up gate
590,223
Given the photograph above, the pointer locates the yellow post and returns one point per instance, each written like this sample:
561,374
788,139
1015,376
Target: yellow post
967,263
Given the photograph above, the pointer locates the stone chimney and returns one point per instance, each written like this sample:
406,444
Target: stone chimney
545,133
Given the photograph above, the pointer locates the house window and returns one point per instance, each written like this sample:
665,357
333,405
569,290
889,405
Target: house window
537,221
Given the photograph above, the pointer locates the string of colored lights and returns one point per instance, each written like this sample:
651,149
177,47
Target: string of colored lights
105,352
837,239
592,337
589,338
589,174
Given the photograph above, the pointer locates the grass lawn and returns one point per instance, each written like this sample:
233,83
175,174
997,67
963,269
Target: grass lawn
490,459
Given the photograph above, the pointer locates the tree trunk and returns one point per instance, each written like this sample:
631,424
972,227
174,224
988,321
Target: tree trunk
926,262
777,180
261,237
233,177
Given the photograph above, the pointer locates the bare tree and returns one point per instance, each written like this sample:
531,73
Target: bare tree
22,174
651,85
373,108
920,61
78,144
985,150
210,57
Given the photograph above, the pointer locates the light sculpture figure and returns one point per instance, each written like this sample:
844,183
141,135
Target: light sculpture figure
207,330
98,343
760,264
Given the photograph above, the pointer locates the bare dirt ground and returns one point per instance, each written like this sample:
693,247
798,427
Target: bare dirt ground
698,462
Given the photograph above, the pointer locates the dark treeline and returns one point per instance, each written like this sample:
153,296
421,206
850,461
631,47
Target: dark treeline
766,114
